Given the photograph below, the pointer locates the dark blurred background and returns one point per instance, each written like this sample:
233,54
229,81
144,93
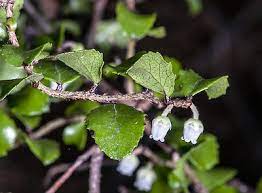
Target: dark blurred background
226,38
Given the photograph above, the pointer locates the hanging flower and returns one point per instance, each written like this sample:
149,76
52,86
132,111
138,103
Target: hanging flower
160,126
192,130
193,127
128,165
145,177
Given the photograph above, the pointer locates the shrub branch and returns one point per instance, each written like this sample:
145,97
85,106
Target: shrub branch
117,98
79,161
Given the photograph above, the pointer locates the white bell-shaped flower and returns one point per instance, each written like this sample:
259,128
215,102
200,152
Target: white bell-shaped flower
145,177
192,130
160,126
128,165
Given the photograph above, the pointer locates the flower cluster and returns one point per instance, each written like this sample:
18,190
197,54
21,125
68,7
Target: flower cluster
145,176
193,127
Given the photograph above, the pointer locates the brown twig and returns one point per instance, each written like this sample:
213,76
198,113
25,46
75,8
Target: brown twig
117,98
80,160
11,27
148,153
98,11
197,185
95,171
54,124
60,168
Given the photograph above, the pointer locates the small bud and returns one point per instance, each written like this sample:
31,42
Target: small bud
11,23
160,127
145,177
192,130
58,86
128,165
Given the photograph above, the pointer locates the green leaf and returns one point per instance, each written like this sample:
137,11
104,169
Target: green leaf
135,25
186,82
216,177
30,122
18,4
110,33
75,134
17,7
259,186
37,53
177,178
75,85
88,63
160,186
8,87
11,55
153,72
121,69
81,107
176,65
218,87
3,33
195,6
56,71
209,84
205,155
225,189
190,83
174,136
118,129
11,60
158,32
9,72
29,102
8,133
47,151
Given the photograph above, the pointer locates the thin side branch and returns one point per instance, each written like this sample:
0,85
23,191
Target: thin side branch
98,11
54,124
131,48
117,98
39,19
197,185
80,160
61,168
9,5
148,153
95,172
